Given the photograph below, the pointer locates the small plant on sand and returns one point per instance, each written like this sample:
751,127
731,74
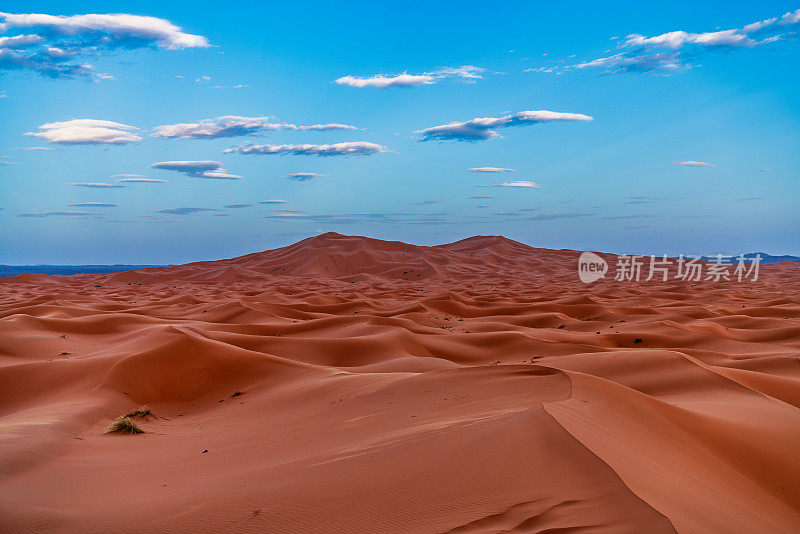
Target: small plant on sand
496,362
123,425
143,412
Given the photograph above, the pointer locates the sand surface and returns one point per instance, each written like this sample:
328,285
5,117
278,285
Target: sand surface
384,387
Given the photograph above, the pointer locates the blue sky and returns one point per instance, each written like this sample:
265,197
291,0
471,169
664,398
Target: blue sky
593,108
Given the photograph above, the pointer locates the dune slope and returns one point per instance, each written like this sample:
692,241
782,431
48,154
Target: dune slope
347,384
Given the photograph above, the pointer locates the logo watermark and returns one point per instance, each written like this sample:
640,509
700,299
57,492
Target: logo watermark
689,268
591,267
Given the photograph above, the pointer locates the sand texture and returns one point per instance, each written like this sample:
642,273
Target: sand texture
345,384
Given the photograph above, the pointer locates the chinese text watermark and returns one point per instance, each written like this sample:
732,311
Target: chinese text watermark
688,268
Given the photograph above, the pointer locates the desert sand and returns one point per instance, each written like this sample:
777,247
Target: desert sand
345,384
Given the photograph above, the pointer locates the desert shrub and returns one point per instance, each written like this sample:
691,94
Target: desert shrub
142,412
123,425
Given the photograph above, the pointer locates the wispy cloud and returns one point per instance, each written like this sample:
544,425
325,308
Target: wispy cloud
622,62
671,51
303,176
2,162
556,216
234,126
273,201
490,169
518,183
97,185
694,164
184,211
642,200
482,128
141,180
236,206
36,148
427,202
58,214
94,205
86,132
382,81
352,148
363,217
626,217
60,41
197,169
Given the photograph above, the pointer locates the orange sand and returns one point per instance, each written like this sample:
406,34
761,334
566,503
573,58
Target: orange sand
370,401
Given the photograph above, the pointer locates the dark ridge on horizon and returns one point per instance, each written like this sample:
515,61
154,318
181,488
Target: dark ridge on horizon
13,270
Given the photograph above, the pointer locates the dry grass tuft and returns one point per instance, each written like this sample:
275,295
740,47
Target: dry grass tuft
123,425
143,412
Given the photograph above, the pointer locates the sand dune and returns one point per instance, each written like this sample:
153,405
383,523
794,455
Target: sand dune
347,384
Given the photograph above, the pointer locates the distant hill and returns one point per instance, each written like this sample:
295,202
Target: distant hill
13,270
337,255
765,258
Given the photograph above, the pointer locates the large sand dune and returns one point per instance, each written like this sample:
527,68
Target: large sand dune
371,397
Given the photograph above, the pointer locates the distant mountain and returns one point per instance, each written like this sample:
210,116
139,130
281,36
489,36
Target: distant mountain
336,255
769,258
765,258
13,270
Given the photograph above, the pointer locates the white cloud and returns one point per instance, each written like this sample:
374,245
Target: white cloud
273,201
382,81
97,185
36,148
86,131
490,169
20,40
64,37
670,51
518,183
197,169
125,175
117,28
481,128
232,125
694,164
678,39
352,148
521,183
94,205
219,175
141,180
